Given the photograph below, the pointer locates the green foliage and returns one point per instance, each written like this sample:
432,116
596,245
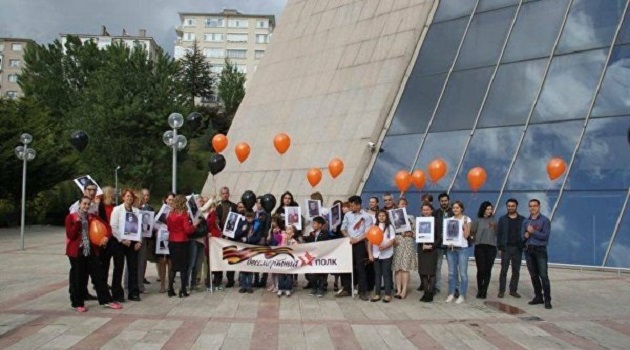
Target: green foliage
231,88
196,76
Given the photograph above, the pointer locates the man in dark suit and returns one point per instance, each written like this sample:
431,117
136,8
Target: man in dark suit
317,280
223,210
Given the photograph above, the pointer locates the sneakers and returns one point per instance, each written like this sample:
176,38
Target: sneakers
460,300
113,305
320,294
279,294
312,292
288,293
80,309
450,298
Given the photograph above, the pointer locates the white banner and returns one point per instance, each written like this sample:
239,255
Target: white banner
332,256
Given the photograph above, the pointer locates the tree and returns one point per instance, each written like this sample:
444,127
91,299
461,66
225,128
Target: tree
196,76
231,88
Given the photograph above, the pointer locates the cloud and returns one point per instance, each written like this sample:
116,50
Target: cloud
43,20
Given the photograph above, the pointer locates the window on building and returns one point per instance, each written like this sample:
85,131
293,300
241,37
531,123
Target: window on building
262,24
190,22
215,23
214,53
16,47
258,54
262,38
189,37
216,68
13,78
237,53
241,68
238,23
181,51
213,37
237,38
14,63
12,94
1,47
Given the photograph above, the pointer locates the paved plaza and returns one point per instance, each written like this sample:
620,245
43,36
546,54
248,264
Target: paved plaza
590,312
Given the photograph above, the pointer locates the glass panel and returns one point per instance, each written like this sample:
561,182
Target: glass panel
397,152
416,104
493,150
620,251
446,145
569,86
485,38
582,227
512,93
453,9
485,5
439,47
536,30
547,201
624,34
603,158
590,24
462,100
472,201
541,143
613,95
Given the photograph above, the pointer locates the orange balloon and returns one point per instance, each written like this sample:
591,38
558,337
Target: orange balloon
219,142
97,231
418,178
335,167
476,178
555,168
437,169
242,151
314,176
402,179
374,235
282,142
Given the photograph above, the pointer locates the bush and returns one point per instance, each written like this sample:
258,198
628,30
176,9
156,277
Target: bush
8,213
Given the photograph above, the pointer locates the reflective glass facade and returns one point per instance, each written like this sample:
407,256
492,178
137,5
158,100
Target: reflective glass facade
507,85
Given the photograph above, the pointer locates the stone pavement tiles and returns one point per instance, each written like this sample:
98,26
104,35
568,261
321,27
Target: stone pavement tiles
590,312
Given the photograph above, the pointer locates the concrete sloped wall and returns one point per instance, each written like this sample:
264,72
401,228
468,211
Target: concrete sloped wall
329,79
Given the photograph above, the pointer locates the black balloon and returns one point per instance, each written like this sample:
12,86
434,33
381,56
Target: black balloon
216,164
248,199
79,139
194,117
268,202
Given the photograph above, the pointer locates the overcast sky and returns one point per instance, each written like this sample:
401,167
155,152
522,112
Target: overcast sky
43,20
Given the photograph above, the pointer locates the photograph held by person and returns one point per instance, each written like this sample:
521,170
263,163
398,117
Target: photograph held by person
536,230
510,247
484,230
180,228
83,257
382,256
127,248
428,257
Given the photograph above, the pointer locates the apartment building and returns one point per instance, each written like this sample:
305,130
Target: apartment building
11,62
104,39
242,38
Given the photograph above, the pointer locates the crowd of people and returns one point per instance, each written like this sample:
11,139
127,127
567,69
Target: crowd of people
382,270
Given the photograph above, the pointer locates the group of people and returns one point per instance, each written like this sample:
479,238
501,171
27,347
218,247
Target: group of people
383,269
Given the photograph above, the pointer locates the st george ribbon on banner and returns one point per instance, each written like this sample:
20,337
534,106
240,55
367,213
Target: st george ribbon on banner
333,256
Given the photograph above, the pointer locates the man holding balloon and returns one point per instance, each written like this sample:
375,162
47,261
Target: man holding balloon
355,224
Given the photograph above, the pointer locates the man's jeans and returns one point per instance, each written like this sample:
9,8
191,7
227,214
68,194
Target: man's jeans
536,257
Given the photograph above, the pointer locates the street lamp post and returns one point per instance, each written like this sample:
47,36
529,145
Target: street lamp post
116,183
177,142
25,154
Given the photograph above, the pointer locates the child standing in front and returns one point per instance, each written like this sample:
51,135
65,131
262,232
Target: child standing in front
285,280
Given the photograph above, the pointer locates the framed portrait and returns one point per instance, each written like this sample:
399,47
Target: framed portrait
231,224
335,215
84,180
162,214
192,202
131,229
293,216
161,244
147,217
453,233
399,219
425,229
314,208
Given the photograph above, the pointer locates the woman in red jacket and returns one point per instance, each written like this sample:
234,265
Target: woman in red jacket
83,256
179,228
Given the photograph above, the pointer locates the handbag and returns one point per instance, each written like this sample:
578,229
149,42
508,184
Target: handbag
201,230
